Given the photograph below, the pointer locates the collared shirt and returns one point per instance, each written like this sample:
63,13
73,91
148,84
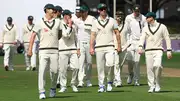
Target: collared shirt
9,34
84,28
27,32
135,25
153,35
47,32
105,31
69,41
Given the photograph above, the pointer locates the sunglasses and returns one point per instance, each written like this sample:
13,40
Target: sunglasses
101,9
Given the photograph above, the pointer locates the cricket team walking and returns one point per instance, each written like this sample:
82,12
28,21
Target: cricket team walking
65,41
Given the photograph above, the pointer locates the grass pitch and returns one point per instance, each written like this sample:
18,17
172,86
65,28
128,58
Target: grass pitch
21,85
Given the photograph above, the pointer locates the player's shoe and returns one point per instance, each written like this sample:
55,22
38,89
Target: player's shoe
109,87
151,90
101,89
28,68
157,89
42,95
89,84
62,90
74,88
52,92
6,68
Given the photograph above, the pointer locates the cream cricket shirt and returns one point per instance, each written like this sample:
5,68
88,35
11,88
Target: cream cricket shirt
27,32
47,32
121,29
84,28
104,30
135,25
9,34
68,41
154,35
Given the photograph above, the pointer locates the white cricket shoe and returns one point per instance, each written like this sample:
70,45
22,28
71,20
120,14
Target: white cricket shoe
101,89
89,84
80,85
62,90
52,92
129,79
11,69
118,84
109,87
136,83
28,68
151,90
157,89
74,88
42,95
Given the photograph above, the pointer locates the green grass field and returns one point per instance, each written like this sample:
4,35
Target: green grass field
21,85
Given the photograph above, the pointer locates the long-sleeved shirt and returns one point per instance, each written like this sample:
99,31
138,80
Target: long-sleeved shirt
134,26
9,34
84,28
69,40
153,35
47,32
121,29
27,32
104,29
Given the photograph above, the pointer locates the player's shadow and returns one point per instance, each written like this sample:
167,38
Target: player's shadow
63,97
119,91
131,85
84,91
168,91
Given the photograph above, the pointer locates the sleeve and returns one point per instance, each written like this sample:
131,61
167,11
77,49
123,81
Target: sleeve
142,38
77,41
127,29
94,26
167,39
2,37
115,26
37,28
23,33
66,31
16,35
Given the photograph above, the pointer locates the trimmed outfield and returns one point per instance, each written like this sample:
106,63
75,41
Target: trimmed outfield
21,85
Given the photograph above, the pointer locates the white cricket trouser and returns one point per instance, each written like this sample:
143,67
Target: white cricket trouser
64,59
105,63
154,67
9,50
119,58
133,58
51,61
85,62
30,61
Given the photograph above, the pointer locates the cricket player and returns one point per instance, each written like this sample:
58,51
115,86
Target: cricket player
102,32
58,15
9,39
68,52
120,58
85,59
47,31
153,34
134,22
58,12
26,34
